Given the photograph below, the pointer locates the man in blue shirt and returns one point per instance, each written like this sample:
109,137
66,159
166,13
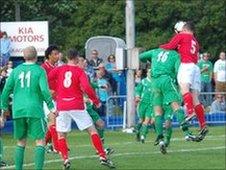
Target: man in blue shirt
5,49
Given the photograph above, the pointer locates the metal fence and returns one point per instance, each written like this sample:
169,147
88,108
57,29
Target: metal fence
116,111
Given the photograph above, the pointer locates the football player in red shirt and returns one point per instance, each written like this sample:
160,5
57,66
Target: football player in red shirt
72,83
52,57
189,74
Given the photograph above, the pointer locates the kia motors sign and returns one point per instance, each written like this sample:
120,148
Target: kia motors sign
23,34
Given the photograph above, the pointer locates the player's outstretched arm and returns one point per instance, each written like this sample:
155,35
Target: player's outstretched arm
172,44
146,56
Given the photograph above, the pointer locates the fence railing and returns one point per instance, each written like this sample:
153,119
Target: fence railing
116,111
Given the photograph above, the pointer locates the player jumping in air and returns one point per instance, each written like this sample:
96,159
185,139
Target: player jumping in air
164,70
189,77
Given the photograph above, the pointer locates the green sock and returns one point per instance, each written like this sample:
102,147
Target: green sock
138,126
1,150
159,125
168,134
180,115
39,157
19,157
100,131
144,130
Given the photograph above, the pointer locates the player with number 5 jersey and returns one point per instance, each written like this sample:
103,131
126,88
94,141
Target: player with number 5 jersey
189,76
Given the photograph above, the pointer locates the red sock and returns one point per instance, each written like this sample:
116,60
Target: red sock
53,132
98,145
63,148
188,101
48,136
200,113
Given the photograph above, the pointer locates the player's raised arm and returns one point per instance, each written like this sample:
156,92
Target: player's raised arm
172,44
146,56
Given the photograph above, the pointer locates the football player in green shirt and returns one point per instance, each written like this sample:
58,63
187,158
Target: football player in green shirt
165,65
143,96
206,69
28,83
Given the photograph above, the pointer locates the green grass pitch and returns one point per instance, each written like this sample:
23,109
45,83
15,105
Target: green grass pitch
209,154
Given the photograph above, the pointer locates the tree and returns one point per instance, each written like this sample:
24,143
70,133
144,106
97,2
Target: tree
72,22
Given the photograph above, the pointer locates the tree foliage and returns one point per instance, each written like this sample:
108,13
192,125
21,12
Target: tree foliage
72,22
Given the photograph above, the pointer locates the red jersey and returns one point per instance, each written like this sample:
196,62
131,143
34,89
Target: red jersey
72,83
187,46
48,67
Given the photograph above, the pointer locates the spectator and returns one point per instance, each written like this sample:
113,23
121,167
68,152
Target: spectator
102,92
95,60
89,70
60,61
218,105
220,73
206,68
5,49
138,76
108,76
1,34
3,77
111,68
9,68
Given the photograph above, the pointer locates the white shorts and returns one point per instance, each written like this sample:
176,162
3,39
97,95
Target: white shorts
46,110
81,118
190,73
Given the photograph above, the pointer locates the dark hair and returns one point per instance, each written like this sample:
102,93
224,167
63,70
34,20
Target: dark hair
189,26
50,49
72,54
4,33
110,57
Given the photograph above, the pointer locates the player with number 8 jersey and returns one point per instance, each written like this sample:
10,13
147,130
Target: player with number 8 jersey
69,93
72,83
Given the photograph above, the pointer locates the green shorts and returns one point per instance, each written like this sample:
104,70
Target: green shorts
164,91
93,114
34,128
145,110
